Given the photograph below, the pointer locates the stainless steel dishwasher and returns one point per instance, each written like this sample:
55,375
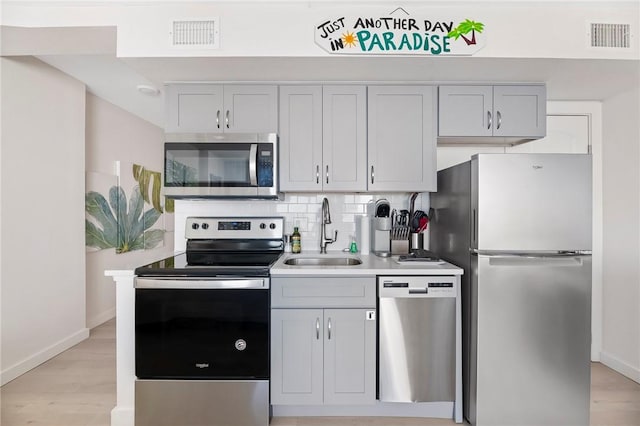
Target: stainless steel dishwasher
417,338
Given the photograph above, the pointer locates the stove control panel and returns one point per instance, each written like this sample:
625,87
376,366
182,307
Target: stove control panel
234,227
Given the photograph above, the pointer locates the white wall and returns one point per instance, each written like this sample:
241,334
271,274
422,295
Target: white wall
261,28
116,135
42,179
621,230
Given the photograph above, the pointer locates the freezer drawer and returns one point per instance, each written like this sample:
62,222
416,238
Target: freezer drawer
201,402
417,339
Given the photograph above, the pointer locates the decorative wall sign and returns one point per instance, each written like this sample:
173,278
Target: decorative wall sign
399,33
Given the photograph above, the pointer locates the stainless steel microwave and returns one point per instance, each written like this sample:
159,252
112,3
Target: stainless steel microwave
203,165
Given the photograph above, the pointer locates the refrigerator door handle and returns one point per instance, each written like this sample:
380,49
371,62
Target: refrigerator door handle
533,255
474,232
558,259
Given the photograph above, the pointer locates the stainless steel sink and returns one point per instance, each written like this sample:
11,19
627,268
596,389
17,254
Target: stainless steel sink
323,261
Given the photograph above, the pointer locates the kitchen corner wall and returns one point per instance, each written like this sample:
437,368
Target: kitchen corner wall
298,209
621,234
113,134
42,179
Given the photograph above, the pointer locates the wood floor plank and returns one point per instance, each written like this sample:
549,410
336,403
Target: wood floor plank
77,388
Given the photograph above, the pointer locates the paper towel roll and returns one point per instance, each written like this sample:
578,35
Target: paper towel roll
363,234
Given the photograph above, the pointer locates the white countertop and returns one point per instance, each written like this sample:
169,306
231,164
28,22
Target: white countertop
371,265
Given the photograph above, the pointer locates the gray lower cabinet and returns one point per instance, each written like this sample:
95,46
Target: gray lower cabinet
323,340
323,138
510,111
322,356
221,108
402,138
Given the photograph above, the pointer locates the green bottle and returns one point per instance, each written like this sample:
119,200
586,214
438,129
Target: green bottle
296,246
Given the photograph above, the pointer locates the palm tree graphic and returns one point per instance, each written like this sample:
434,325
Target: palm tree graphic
465,27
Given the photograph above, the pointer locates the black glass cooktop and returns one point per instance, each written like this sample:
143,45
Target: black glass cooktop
211,265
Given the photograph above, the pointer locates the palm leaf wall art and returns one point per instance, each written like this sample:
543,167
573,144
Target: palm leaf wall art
125,224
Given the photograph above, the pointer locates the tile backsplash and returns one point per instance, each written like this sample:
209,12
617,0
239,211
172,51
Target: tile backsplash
298,209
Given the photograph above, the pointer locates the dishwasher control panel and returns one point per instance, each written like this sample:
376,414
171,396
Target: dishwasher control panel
420,286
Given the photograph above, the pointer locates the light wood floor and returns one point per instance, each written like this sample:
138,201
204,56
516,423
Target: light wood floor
78,388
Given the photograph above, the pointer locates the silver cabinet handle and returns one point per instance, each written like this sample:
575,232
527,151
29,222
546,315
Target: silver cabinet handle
317,173
317,328
488,119
327,174
499,120
329,329
226,119
218,119
372,175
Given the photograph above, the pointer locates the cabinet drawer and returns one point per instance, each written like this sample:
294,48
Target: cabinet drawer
342,292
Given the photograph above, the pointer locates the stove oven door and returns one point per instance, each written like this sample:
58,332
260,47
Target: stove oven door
199,329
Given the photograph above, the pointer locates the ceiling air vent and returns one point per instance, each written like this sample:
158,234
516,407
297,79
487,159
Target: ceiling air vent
610,35
196,34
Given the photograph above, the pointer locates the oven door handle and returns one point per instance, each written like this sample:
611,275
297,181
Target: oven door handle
253,162
186,283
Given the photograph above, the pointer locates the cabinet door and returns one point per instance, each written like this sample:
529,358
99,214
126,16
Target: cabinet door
519,111
402,138
296,356
193,108
300,138
251,108
349,356
344,149
465,111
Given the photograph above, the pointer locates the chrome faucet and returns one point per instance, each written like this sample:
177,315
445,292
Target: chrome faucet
326,220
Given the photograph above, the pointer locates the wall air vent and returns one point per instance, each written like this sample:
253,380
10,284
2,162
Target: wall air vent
610,35
196,34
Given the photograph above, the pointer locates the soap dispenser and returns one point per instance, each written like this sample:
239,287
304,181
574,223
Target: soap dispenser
353,248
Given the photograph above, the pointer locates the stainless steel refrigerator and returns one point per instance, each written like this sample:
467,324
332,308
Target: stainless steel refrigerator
520,227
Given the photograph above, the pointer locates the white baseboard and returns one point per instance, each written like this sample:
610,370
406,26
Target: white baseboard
122,416
620,366
101,318
44,355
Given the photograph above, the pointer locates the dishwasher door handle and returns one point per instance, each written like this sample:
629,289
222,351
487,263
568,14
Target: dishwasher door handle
419,290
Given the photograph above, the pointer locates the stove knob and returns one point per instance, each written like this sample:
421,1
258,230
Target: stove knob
205,226
272,226
195,226
263,226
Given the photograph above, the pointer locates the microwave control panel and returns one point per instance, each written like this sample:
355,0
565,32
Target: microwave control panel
265,165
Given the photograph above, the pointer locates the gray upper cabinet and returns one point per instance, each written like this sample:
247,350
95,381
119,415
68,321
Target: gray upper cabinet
216,108
402,138
323,138
344,138
300,138
509,111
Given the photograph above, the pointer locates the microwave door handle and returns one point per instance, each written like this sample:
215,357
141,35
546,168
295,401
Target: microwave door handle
253,155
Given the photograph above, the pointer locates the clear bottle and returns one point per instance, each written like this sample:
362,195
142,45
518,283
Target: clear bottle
296,244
